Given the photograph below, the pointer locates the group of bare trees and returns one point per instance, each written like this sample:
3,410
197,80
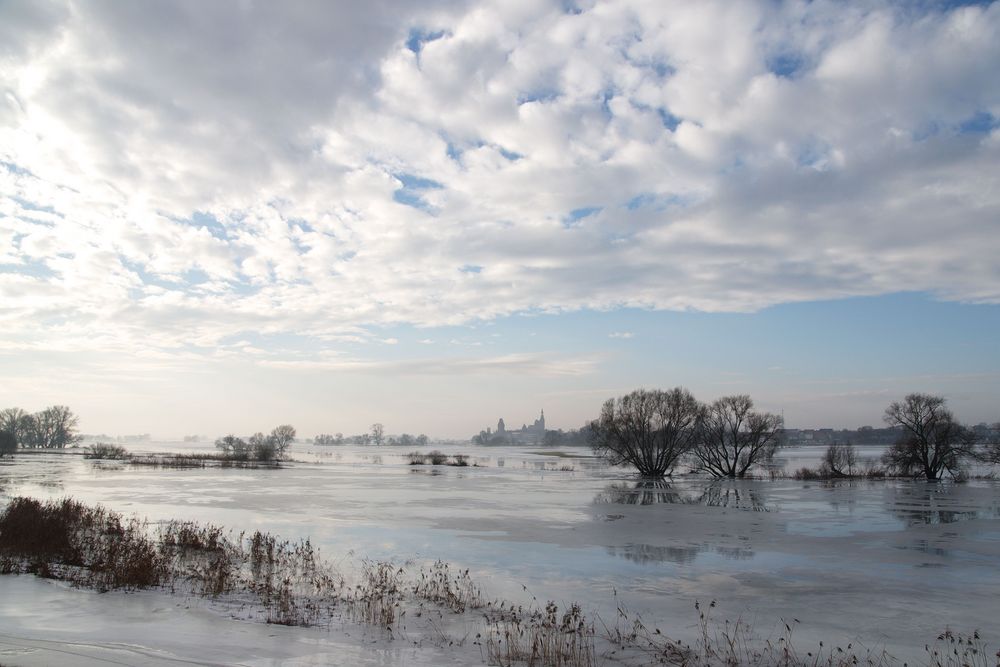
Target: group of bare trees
52,428
258,447
655,430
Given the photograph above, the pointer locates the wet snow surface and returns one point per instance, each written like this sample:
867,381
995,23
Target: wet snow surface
886,564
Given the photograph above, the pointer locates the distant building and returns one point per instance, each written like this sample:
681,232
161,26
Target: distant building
526,435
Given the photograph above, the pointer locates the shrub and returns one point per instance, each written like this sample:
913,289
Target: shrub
233,447
104,450
102,549
437,458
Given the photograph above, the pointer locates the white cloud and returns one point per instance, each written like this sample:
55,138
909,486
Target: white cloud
621,334
176,176
526,365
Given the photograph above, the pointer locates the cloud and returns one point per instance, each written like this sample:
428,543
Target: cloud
621,334
172,177
527,365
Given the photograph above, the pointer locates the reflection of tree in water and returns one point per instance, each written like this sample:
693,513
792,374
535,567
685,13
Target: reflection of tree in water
933,503
719,493
735,553
645,492
682,555
724,493
649,553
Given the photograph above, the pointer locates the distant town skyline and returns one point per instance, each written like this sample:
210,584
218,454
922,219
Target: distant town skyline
224,216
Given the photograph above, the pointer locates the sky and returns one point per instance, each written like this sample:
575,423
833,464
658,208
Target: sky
224,216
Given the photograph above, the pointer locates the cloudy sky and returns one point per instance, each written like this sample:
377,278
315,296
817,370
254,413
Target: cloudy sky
222,216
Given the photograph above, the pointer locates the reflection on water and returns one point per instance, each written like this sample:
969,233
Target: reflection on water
647,554
433,471
646,492
717,493
935,503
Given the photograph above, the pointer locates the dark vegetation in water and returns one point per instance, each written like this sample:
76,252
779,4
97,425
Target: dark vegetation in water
287,582
437,458
203,460
106,451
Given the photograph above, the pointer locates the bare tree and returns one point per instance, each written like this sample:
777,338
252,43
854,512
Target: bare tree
648,429
931,443
378,433
52,428
840,460
733,438
17,423
282,437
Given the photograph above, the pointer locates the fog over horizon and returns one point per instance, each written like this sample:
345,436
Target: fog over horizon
221,217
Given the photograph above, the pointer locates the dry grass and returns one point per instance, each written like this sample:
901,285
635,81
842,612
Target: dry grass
455,592
220,460
89,546
288,582
539,637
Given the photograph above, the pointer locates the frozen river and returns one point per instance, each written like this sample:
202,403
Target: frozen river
884,563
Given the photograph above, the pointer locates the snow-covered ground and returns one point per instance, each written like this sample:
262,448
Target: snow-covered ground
888,563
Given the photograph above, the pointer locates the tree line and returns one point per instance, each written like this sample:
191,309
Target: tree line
376,436
656,430
52,428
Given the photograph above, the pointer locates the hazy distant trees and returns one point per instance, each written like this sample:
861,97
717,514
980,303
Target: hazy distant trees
52,428
570,438
732,437
376,436
648,429
931,443
991,447
233,447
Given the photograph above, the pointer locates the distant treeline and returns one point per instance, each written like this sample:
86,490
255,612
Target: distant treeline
52,428
405,440
867,435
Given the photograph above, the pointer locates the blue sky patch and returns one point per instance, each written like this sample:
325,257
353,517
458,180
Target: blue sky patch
578,214
982,122
418,37
786,65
